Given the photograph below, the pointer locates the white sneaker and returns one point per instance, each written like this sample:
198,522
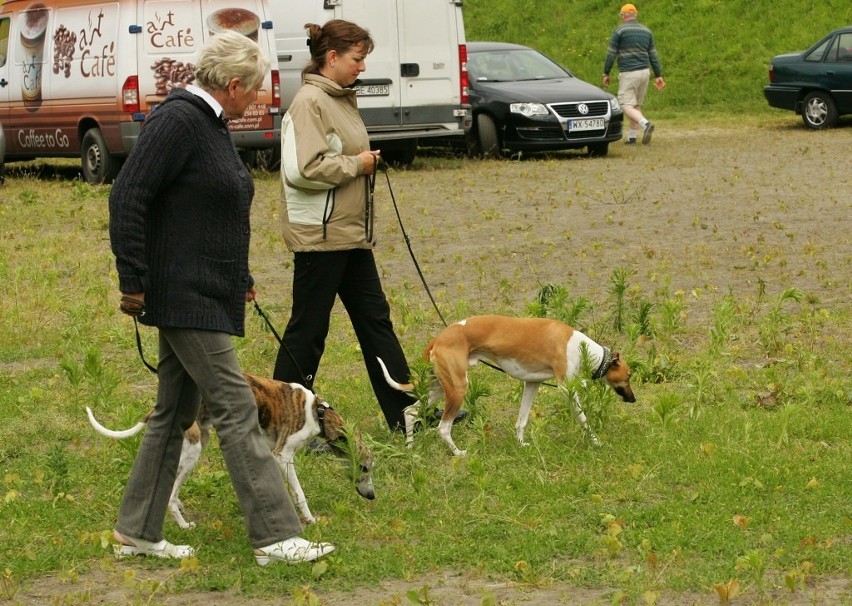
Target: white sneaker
294,550
128,546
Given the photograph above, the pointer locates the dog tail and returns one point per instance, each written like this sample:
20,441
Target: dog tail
391,382
126,433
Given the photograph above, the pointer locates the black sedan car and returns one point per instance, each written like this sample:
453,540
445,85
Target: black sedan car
522,100
816,83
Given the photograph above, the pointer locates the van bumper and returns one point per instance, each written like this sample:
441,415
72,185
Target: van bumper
129,135
259,139
250,139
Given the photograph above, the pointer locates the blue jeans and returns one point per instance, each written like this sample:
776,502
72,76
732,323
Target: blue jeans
196,364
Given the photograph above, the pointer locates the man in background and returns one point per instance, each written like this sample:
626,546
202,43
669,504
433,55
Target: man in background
632,44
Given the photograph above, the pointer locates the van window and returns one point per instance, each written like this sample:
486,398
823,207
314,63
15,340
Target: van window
4,40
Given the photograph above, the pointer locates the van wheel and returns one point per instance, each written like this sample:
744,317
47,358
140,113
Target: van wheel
489,140
398,154
266,159
98,165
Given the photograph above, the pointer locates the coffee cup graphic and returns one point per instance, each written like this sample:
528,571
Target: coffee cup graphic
33,28
239,20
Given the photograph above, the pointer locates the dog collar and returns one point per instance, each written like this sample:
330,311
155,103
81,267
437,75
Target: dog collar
321,408
606,362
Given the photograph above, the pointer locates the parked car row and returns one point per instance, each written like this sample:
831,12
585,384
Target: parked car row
816,83
519,99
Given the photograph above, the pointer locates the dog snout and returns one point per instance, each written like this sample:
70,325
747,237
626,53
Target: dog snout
365,488
626,394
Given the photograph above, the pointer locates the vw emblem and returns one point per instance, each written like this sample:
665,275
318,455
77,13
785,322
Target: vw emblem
583,108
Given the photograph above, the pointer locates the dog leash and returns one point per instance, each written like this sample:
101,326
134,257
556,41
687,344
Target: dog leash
605,362
139,346
383,168
260,312
305,378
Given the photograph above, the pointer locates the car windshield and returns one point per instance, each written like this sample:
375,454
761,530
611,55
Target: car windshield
512,66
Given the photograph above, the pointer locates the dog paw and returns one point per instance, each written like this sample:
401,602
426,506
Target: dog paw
460,453
525,444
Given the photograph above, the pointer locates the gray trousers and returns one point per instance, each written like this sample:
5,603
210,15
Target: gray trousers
196,364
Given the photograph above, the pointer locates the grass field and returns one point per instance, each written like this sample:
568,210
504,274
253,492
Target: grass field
722,277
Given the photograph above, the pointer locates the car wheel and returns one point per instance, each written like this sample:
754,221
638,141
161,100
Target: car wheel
598,149
489,139
98,165
819,110
398,154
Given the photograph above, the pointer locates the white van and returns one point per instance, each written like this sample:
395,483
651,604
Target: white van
78,78
415,85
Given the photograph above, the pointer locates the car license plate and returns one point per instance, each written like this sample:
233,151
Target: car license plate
372,90
587,124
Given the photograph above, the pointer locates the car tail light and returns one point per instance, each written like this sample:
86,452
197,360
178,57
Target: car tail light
464,80
130,95
771,74
276,88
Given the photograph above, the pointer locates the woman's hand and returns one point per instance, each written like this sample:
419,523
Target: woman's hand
133,304
370,160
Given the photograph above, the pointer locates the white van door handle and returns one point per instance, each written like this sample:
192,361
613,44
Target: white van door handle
3,82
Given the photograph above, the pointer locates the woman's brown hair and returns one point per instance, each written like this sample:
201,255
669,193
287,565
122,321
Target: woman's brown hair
337,35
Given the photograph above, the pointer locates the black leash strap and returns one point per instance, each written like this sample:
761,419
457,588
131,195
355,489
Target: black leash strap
408,244
305,379
139,347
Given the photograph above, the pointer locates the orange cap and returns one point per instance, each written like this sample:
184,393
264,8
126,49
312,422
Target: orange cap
628,8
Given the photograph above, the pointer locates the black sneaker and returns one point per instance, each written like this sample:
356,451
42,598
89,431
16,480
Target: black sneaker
630,142
647,132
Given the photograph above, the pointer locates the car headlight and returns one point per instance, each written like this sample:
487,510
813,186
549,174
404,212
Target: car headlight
528,109
613,103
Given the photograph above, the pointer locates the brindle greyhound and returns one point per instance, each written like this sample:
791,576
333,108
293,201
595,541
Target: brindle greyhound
290,416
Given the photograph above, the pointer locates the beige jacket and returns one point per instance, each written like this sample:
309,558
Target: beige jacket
325,191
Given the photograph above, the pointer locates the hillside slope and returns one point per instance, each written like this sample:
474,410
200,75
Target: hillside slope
715,53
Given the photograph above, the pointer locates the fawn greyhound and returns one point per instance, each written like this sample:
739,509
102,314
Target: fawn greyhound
531,350
290,416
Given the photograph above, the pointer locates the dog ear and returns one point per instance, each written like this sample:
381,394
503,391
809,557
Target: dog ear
333,426
616,358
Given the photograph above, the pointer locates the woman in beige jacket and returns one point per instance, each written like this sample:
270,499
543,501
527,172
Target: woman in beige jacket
326,162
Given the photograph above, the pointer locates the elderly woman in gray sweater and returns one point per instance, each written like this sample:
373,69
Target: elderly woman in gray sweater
179,229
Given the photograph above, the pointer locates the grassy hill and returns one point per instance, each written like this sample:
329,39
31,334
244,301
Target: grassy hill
715,53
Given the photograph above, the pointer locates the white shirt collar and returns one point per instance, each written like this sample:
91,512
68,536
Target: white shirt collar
200,92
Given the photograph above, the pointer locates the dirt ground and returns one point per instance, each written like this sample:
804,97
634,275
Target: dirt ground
704,211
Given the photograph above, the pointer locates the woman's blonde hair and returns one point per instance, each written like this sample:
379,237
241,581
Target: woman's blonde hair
337,35
230,55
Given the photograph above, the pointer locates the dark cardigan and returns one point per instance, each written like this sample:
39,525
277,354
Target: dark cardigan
179,219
